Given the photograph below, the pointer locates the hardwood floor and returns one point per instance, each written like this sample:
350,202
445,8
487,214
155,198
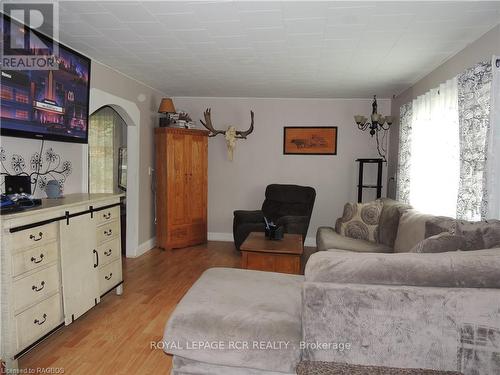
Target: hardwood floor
115,337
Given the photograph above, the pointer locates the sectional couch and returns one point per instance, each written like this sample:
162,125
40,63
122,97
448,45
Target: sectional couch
358,303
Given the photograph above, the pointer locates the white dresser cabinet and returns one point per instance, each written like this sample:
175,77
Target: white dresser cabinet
56,262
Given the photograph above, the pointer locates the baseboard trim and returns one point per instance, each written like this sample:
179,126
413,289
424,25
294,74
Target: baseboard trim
216,236
144,247
228,237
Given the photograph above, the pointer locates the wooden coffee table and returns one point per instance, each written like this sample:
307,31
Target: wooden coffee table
259,253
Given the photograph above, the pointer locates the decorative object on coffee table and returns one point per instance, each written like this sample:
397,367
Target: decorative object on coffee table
331,368
319,140
273,232
259,253
167,107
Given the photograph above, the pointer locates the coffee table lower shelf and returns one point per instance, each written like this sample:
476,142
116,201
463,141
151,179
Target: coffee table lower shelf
258,253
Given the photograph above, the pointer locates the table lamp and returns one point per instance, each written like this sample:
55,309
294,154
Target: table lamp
167,107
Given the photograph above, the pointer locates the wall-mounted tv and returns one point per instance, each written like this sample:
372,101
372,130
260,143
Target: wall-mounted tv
44,104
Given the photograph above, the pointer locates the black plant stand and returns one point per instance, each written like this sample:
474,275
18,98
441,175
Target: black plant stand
362,186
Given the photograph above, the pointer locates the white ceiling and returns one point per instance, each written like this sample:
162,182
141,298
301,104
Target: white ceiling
275,49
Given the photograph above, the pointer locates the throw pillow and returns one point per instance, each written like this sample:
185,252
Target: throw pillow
440,243
360,220
481,234
440,224
411,230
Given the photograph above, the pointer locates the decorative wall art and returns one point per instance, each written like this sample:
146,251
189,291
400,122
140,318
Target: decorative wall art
319,140
40,169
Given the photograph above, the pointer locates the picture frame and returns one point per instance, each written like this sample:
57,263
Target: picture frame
310,140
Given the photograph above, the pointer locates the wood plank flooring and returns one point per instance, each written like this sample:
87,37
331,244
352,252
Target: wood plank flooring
115,337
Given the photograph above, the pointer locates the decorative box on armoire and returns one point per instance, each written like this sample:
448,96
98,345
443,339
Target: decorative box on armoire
181,187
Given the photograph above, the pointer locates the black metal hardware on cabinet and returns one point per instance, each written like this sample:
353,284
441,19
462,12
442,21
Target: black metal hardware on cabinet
96,258
33,237
36,288
109,277
34,260
66,217
40,322
108,232
108,253
107,216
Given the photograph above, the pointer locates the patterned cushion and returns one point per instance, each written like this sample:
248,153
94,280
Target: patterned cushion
481,234
440,243
360,220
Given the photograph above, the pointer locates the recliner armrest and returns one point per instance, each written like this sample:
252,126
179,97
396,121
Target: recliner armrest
293,224
243,216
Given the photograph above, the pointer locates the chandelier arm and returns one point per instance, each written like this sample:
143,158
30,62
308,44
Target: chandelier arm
364,126
385,126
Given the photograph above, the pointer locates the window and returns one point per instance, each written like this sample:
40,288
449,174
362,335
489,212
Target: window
435,166
446,136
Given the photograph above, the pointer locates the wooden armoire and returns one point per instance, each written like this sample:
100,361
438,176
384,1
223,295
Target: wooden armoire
181,187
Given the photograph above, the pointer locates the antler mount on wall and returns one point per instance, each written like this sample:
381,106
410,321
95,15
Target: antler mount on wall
231,134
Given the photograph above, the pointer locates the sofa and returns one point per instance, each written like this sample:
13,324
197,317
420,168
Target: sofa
288,206
380,304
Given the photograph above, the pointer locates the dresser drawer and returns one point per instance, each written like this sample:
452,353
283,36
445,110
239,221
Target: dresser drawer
38,320
109,252
110,275
34,236
107,231
107,215
36,257
36,287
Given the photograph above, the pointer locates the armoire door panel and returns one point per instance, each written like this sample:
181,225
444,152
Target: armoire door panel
197,179
177,205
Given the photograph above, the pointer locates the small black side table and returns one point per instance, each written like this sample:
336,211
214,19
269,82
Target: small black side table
362,186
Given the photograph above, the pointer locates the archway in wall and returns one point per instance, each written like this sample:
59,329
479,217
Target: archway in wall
107,158
130,114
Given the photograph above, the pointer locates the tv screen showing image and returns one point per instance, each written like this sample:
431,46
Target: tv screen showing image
45,104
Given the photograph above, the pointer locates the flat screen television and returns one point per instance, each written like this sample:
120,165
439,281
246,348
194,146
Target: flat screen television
45,104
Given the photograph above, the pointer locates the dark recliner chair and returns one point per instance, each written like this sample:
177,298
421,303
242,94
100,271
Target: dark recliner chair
289,206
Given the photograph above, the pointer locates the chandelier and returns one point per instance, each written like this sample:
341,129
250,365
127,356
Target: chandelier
376,124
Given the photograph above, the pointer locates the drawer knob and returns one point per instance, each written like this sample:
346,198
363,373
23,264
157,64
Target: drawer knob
36,288
40,322
108,232
108,253
108,277
35,238
34,260
107,216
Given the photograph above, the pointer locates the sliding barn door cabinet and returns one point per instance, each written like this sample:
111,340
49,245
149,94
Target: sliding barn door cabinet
181,187
56,263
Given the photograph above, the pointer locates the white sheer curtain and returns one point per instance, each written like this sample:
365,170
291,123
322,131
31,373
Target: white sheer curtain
435,165
493,159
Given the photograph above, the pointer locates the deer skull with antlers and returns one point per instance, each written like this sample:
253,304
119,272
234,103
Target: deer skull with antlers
231,134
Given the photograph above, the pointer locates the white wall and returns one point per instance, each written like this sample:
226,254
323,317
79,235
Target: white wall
27,147
259,160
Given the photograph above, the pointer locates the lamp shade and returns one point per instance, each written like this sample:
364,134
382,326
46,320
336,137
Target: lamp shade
166,106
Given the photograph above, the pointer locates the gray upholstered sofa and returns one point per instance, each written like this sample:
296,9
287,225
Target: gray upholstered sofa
358,303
